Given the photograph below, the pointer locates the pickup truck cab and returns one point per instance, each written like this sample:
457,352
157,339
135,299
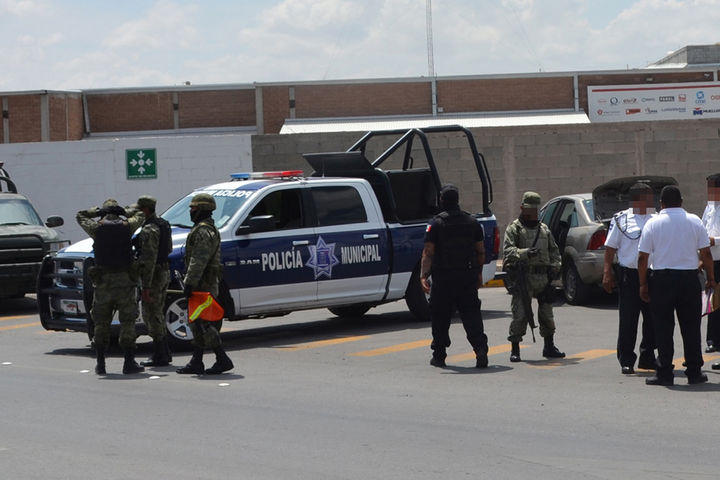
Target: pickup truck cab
24,240
348,237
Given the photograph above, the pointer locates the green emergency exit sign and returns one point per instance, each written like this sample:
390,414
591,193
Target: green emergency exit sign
141,163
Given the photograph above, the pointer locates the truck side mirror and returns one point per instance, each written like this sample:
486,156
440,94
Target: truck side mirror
54,221
260,223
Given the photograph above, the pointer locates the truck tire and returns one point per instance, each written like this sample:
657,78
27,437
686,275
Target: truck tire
576,292
351,311
176,321
417,301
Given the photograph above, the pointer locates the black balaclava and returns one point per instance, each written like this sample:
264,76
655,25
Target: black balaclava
449,198
199,215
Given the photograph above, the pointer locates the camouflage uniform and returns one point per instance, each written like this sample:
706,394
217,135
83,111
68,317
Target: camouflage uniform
203,272
202,260
518,239
154,277
114,289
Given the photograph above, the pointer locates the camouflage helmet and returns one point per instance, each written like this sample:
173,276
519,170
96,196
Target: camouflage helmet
146,201
110,202
204,201
530,200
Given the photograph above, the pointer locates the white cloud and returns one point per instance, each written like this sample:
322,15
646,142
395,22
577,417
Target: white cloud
166,24
21,7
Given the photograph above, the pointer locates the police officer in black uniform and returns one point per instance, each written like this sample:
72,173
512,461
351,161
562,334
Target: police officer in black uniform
454,255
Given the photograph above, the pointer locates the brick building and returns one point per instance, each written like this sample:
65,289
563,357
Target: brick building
38,116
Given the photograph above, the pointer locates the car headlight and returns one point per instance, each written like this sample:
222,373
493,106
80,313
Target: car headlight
55,246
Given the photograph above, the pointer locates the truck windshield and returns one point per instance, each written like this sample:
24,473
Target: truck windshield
18,212
227,203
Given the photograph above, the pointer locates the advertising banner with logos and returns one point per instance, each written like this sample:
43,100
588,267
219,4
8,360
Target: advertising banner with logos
668,101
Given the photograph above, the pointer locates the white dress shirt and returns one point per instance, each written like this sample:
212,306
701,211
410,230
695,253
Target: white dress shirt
624,236
711,220
673,238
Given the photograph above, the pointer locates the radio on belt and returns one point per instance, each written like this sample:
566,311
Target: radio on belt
266,175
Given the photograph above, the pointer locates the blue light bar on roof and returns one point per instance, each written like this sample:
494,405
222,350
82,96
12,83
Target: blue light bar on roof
240,176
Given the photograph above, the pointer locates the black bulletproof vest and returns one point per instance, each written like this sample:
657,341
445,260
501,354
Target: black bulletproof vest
112,244
455,249
165,244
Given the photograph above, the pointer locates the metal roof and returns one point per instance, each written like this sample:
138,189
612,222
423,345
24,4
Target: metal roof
467,120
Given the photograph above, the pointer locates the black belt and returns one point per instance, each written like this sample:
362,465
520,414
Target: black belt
674,271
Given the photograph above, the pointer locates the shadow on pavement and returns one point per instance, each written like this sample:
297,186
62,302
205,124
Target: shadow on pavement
457,370
18,306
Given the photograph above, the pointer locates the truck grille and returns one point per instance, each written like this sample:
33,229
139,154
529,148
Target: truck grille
69,273
21,249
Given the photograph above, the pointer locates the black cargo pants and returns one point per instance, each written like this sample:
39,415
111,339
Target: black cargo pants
713,321
456,291
629,308
671,292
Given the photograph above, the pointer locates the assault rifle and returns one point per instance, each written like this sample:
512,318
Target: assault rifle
520,273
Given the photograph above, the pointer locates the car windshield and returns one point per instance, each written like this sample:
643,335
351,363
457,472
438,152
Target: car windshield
227,203
18,212
589,208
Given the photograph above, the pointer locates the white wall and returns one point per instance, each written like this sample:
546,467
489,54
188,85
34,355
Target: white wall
61,178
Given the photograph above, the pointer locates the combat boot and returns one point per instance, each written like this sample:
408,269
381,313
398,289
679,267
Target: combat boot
438,358
222,362
515,352
195,365
100,365
481,359
157,358
130,366
550,350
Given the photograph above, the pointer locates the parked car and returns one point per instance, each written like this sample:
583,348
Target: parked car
580,222
24,240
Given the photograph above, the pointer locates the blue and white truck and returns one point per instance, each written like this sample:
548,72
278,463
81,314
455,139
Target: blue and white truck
348,237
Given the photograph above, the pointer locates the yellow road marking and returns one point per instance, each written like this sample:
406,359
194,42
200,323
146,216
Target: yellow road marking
15,317
22,325
588,355
491,351
324,343
706,358
392,349
495,283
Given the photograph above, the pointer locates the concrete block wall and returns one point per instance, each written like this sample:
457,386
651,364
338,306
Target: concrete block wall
552,160
61,178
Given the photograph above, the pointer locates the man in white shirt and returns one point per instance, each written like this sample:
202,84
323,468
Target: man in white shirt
673,238
711,221
623,238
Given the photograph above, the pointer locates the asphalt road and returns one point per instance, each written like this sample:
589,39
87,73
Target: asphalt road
316,397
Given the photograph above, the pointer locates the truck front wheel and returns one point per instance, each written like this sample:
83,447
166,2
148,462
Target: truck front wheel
177,322
418,302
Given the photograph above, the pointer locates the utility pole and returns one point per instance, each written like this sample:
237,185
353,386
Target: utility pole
431,61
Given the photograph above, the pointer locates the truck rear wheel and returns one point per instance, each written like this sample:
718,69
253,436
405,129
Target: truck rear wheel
418,302
350,311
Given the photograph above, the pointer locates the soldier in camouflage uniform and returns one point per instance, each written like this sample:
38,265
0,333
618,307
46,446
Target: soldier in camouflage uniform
153,245
203,273
113,278
543,264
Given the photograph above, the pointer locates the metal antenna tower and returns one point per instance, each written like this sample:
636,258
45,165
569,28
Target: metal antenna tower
428,19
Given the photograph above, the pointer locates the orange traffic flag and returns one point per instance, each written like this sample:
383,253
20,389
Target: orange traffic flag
203,305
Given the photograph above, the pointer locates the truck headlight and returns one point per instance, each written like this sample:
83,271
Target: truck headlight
55,246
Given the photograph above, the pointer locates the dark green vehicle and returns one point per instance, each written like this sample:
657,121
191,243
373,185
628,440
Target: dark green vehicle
24,240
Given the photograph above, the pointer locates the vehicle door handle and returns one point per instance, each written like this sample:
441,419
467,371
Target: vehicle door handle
370,236
298,243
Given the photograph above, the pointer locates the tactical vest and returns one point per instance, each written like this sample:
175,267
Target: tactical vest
164,242
112,244
455,249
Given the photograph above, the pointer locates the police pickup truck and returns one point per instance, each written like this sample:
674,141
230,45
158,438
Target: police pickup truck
348,237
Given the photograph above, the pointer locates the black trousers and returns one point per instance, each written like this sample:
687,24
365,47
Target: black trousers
629,308
713,321
446,295
676,292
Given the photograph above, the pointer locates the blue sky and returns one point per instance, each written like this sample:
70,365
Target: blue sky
80,44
